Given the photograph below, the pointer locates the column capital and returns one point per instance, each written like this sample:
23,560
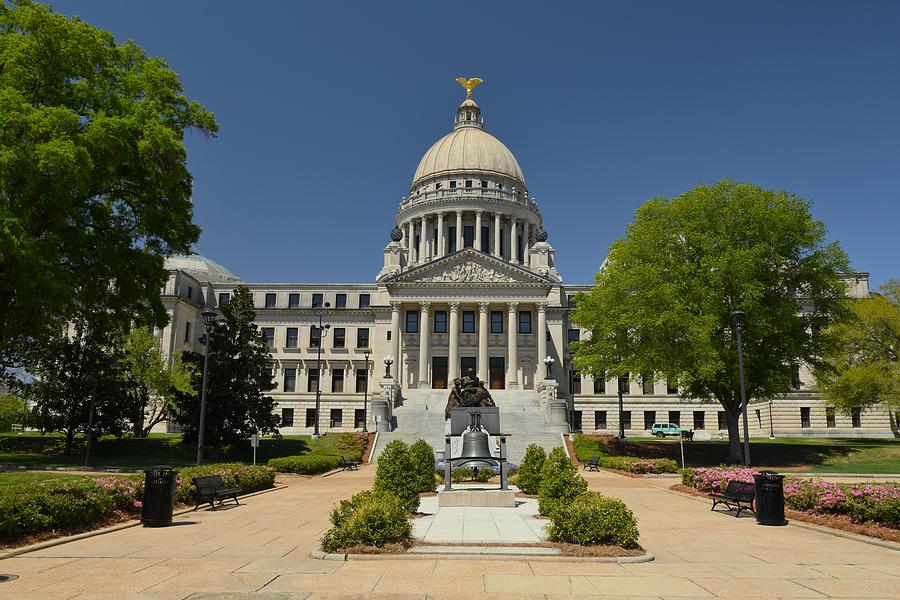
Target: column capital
395,305
454,306
479,211
425,306
484,307
512,306
459,212
541,307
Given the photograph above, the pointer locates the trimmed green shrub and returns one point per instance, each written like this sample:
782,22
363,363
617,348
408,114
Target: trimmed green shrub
422,456
463,474
592,518
246,478
560,482
396,474
352,445
370,518
639,466
306,464
528,479
586,447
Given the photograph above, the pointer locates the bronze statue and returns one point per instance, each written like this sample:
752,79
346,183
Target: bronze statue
468,391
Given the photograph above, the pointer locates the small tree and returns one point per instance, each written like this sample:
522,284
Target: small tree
240,371
396,474
862,370
528,479
422,457
560,482
662,302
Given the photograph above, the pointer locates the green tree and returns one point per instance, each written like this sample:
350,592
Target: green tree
662,302
421,455
93,178
528,479
560,482
240,371
396,474
150,381
862,369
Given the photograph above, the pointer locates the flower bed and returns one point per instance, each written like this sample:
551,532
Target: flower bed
877,503
639,466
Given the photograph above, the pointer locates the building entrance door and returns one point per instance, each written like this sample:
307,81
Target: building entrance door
439,372
466,364
497,372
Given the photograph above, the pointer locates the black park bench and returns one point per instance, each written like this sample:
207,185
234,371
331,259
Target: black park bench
350,465
593,464
211,488
737,495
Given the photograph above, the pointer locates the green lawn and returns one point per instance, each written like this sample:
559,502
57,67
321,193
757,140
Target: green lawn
159,449
38,477
816,455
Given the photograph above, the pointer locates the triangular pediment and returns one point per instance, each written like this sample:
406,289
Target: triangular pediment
469,268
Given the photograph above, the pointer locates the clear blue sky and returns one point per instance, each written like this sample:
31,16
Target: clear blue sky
326,107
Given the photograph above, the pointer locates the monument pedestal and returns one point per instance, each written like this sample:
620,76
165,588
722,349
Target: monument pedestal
383,406
477,497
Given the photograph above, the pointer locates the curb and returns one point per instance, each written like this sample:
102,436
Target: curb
849,535
374,445
112,528
643,558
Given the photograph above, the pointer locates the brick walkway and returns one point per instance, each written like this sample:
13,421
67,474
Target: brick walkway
261,550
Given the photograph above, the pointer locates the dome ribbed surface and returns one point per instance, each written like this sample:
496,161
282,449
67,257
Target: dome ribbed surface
201,267
468,149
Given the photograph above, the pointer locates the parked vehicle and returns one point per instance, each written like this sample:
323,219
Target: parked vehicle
671,429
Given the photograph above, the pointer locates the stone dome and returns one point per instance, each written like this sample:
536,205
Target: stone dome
200,267
468,149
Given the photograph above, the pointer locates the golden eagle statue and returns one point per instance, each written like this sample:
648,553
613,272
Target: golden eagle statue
470,84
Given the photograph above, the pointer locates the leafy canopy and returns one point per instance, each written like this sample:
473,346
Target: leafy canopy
93,178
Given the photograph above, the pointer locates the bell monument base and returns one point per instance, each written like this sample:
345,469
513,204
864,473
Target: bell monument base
477,497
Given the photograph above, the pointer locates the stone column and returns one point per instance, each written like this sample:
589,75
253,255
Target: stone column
526,243
498,252
513,240
541,371
453,360
442,248
424,344
395,338
512,336
410,256
421,253
478,229
483,313
459,235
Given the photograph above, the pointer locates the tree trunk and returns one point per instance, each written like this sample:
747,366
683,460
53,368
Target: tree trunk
735,450
70,438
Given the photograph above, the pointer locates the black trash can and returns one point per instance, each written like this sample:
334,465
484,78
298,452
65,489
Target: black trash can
769,487
159,496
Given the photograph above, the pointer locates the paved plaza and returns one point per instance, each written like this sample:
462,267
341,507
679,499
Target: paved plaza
459,525
261,550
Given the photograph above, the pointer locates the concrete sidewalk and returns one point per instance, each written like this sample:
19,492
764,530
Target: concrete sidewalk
261,550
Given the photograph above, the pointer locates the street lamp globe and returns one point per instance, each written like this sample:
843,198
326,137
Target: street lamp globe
548,362
388,361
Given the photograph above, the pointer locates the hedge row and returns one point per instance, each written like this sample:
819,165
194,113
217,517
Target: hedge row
640,466
306,464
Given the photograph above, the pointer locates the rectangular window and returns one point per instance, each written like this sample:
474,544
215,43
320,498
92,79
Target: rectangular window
484,184
496,321
438,185
759,418
468,236
671,388
829,418
468,321
312,380
804,417
626,419
649,419
625,384
290,379
412,321
361,381
190,293
359,417
451,239
340,337
795,377
468,183
440,321
699,419
293,300
291,337
269,332
525,322
576,423
486,240
337,417
318,300
452,185
362,337
675,417
315,336
721,421
340,301
600,384
856,416
599,419
310,417
287,417
573,336
646,385
576,382
365,300
224,298
270,300
337,381
570,300
187,331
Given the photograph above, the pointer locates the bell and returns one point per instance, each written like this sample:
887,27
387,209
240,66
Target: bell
475,451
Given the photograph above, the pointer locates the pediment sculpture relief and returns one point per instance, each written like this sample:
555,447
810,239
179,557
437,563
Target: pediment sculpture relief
468,272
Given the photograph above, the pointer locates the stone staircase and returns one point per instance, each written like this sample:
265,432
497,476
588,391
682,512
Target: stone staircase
420,415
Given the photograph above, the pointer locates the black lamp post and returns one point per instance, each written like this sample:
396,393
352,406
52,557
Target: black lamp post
548,362
209,320
90,429
739,317
366,396
620,383
322,332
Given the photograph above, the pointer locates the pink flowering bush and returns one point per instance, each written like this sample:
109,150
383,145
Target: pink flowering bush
862,502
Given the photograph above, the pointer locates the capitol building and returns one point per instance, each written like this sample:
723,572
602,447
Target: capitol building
469,282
